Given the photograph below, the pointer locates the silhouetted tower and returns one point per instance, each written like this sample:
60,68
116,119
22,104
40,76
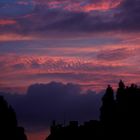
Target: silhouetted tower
108,104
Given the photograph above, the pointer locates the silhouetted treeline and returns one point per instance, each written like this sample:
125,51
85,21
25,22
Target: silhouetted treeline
9,129
119,118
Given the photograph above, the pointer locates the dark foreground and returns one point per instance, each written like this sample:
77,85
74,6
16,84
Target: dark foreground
119,118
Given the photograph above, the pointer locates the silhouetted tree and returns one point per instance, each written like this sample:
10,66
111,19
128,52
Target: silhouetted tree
120,92
8,123
108,106
119,118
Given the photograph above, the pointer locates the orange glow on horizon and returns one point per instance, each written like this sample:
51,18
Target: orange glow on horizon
41,135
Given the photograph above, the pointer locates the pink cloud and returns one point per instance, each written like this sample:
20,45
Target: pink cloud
97,70
4,22
105,5
80,5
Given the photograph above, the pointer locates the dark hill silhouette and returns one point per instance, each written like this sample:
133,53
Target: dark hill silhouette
9,129
119,118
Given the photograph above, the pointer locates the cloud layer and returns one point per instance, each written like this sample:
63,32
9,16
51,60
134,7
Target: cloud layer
46,102
61,18
92,65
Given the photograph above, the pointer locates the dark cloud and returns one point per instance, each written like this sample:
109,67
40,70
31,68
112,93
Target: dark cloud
18,66
125,17
45,102
15,8
115,54
129,16
46,21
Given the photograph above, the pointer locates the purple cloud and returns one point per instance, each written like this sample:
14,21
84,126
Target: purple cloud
45,102
48,21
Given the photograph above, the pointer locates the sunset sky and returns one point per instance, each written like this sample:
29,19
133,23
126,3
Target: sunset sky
91,43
